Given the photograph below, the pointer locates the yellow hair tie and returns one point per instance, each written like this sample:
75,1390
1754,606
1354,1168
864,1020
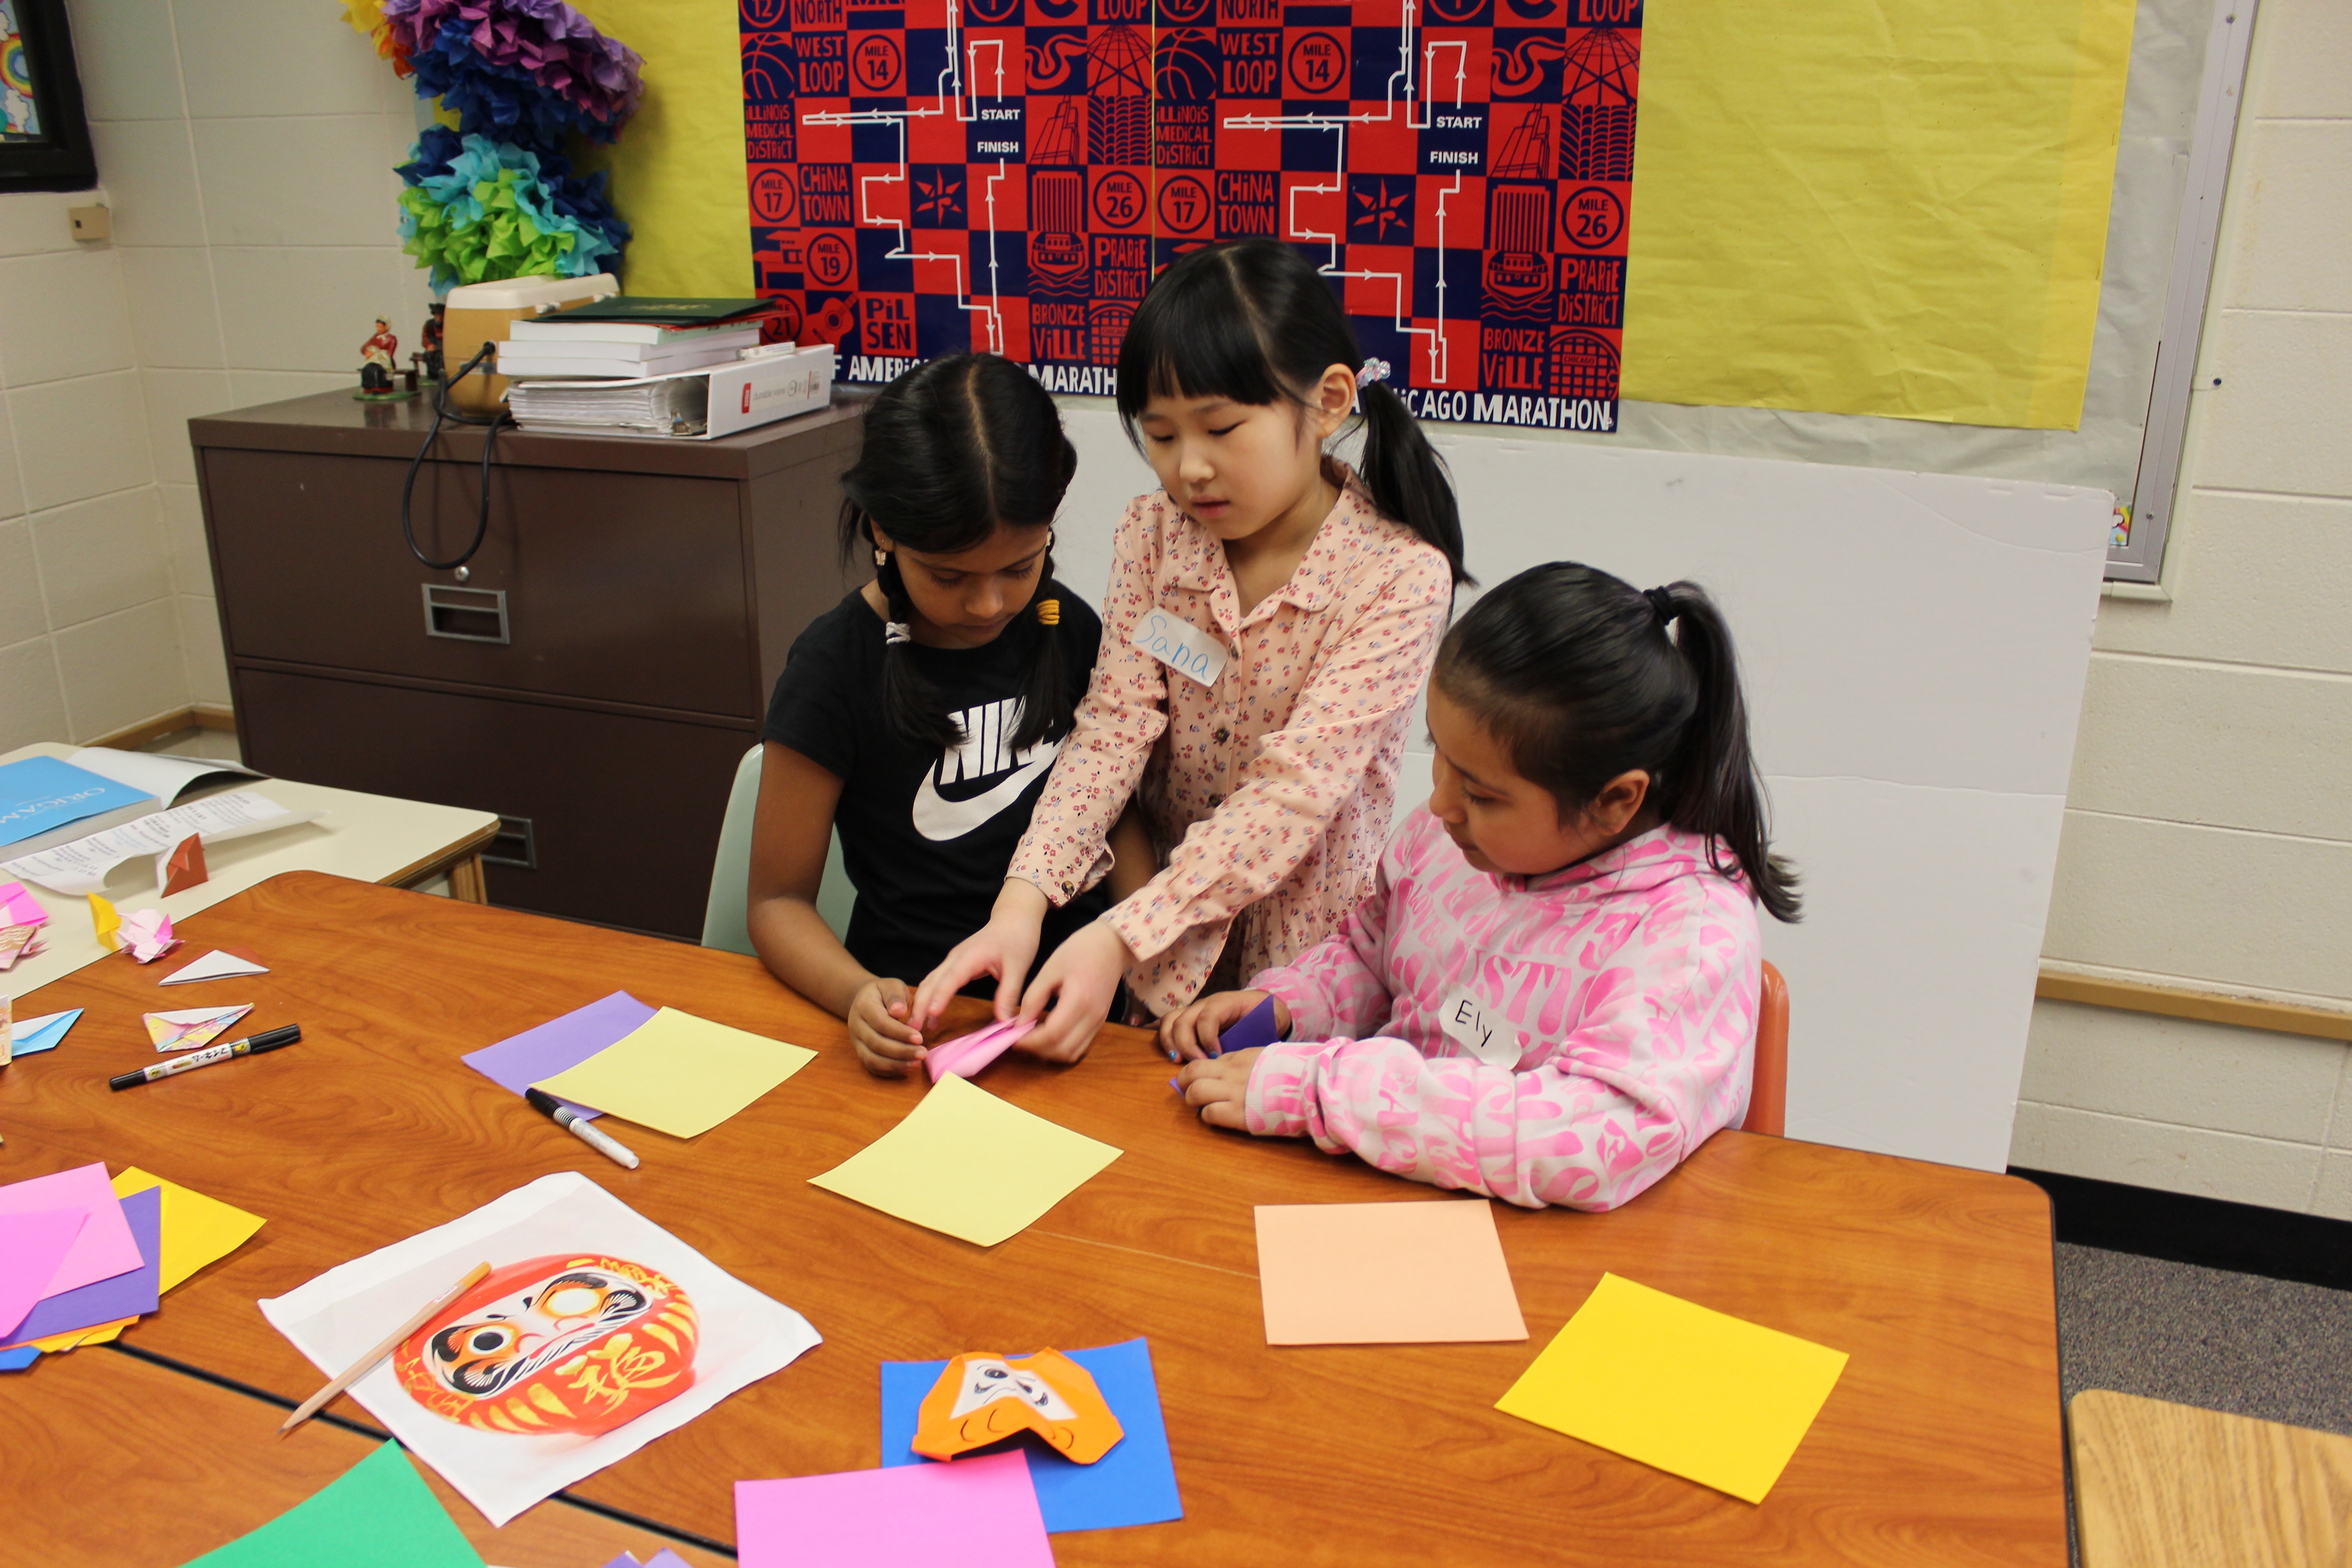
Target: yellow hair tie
1049,612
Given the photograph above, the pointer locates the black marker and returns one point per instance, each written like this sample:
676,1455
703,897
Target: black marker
251,1046
580,1127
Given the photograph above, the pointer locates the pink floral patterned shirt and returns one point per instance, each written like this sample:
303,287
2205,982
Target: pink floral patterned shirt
1271,787
1559,1039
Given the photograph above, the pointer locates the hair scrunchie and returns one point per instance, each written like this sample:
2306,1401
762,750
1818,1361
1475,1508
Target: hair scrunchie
1049,612
895,632
1662,602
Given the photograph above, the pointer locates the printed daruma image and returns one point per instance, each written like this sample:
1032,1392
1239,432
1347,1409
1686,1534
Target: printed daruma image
573,1342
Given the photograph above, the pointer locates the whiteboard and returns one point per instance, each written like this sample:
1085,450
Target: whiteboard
1915,646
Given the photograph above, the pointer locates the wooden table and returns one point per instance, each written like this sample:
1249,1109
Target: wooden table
2159,1485
90,1432
375,838
1940,1445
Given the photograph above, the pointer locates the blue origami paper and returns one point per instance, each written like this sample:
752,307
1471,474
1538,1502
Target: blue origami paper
1135,1483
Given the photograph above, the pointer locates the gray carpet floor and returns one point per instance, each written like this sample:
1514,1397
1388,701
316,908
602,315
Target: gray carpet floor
2238,1343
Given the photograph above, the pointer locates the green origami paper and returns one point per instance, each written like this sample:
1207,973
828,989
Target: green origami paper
377,1514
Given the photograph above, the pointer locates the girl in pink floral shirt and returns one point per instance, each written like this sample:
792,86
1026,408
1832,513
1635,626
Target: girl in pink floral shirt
1271,617
1550,997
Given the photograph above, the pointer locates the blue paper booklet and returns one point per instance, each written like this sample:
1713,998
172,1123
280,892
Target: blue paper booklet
40,798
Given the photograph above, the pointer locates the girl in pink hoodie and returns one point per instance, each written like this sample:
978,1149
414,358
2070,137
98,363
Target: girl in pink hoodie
1550,996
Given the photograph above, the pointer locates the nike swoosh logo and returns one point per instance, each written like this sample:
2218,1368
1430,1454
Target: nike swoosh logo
939,820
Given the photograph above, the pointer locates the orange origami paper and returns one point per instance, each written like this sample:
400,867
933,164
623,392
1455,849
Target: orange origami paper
185,867
982,1397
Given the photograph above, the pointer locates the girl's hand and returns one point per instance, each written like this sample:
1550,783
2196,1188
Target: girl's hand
887,1044
1005,947
1079,981
1219,1087
1191,1032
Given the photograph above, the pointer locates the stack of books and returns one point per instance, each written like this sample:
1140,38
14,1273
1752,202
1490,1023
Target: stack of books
632,335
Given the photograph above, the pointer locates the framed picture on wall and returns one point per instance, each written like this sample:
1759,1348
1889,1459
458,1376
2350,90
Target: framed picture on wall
43,140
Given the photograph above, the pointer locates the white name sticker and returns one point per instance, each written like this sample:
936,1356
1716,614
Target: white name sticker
1467,1024
1181,647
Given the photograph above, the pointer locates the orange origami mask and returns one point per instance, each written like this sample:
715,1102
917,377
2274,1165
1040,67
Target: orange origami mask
573,1343
982,1397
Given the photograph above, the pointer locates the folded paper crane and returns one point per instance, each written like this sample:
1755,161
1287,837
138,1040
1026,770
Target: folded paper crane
966,1054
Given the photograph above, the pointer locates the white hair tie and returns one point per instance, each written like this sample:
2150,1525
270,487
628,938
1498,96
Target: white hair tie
895,632
1374,369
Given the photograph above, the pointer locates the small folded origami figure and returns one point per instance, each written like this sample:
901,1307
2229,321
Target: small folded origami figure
184,867
144,934
982,1397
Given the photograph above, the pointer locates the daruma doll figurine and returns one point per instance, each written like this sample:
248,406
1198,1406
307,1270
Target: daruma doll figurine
573,1343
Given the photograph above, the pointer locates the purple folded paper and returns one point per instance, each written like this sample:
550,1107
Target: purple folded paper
1255,1028
124,1296
560,1044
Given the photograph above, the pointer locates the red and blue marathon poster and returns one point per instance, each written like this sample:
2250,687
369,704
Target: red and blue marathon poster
932,176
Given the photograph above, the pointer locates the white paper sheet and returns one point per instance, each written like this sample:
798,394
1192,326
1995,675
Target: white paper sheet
343,1312
157,774
83,866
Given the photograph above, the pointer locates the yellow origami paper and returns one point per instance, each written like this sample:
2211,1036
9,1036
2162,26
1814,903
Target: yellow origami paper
106,921
1705,1395
965,1163
198,1230
679,1074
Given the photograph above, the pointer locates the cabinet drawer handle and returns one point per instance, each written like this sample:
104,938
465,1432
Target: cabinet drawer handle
468,614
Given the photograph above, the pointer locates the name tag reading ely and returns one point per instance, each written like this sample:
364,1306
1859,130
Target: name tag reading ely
1181,647
1491,1039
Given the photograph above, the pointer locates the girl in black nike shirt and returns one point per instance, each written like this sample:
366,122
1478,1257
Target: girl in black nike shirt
920,715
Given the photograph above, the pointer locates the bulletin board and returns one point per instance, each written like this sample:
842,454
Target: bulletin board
933,176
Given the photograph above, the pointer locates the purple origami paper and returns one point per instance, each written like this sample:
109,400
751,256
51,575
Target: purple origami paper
515,1064
124,1296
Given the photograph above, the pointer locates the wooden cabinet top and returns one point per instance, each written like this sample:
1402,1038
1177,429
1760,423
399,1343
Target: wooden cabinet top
336,422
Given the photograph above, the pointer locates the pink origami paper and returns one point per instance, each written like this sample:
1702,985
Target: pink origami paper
146,935
966,1054
18,907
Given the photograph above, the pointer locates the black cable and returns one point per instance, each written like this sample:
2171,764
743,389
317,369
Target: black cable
441,411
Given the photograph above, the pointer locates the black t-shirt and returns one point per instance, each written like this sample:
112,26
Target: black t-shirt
926,835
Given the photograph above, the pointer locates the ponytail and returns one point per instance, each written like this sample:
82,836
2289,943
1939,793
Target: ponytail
954,449
1252,320
1407,477
1718,792
1579,676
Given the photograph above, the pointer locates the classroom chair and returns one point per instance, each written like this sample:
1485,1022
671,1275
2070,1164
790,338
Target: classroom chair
2158,1485
1768,1099
725,918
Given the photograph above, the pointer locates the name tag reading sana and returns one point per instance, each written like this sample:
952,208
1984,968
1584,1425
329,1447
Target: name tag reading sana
1181,647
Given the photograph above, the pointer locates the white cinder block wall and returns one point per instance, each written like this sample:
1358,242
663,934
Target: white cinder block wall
2208,825
89,631
245,148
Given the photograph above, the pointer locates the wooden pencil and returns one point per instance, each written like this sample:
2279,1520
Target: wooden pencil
358,1368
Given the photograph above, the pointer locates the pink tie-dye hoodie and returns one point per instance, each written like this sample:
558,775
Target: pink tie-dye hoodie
1559,1039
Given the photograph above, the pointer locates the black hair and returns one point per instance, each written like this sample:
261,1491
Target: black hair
1575,673
953,449
1253,321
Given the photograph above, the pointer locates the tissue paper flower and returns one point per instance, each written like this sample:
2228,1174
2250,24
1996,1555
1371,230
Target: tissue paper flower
518,68
476,209
367,19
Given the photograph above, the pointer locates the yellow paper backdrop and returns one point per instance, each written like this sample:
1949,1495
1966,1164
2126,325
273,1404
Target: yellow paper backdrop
1873,207
678,170
1857,206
